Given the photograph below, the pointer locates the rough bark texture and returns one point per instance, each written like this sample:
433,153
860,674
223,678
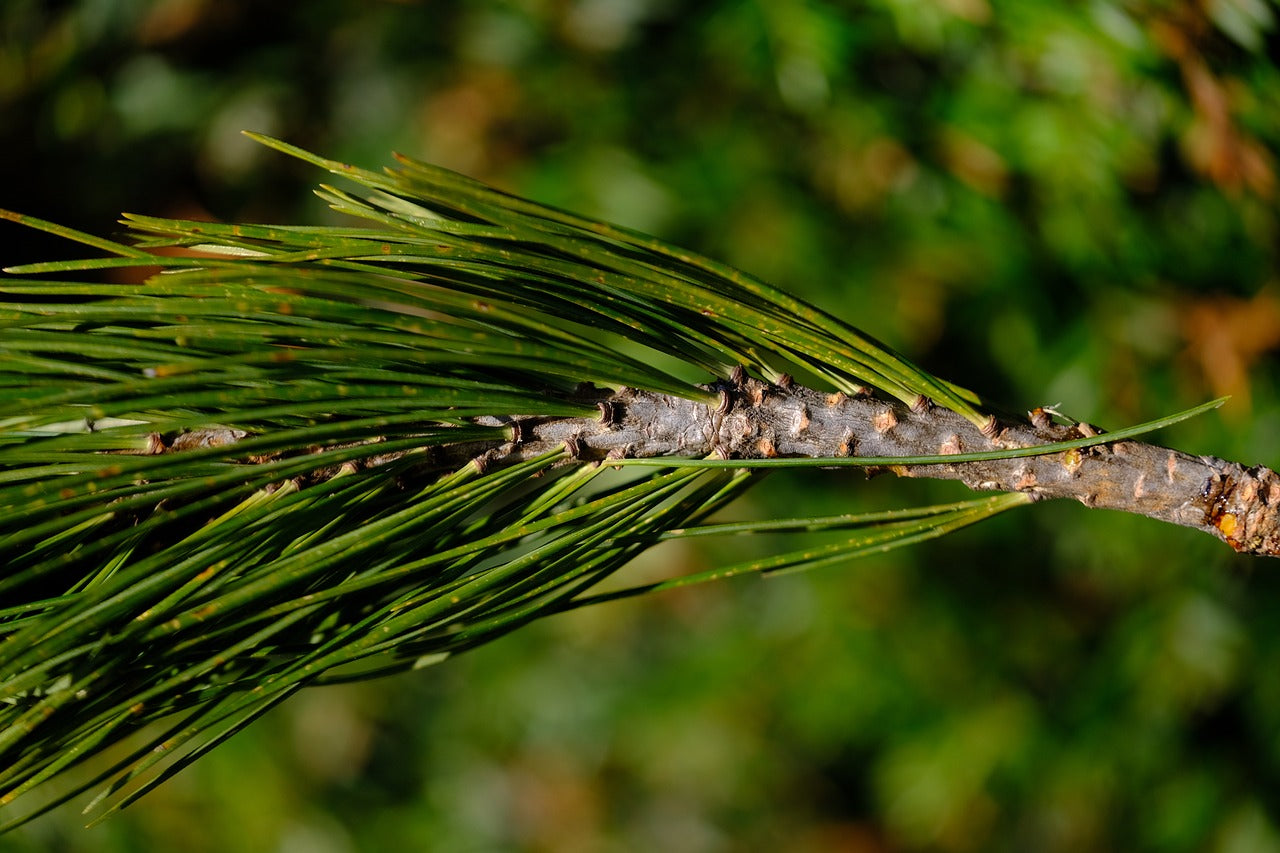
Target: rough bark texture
754,420
1238,504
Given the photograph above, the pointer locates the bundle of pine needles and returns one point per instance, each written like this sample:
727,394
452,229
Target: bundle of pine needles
295,455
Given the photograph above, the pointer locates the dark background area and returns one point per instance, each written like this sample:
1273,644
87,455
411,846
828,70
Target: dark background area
1070,204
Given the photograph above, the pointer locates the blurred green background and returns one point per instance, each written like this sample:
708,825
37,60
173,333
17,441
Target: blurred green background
1068,204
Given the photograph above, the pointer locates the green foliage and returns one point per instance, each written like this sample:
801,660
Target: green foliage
214,582
211,583
1055,205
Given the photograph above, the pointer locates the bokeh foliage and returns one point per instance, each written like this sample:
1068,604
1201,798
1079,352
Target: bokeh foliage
1048,203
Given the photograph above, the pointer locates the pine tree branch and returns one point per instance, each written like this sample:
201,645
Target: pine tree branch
747,419
1238,504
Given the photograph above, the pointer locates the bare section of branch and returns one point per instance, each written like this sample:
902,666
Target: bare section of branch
755,420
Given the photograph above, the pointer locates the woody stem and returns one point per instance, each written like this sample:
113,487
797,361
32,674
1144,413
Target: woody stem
753,420
748,419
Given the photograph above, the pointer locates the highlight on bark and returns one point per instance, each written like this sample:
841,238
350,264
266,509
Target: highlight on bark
303,455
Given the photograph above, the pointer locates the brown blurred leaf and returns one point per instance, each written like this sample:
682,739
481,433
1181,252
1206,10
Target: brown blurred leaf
1225,336
1215,145
975,163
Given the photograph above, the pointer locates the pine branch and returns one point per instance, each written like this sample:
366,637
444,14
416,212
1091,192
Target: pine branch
308,454
757,420
749,419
